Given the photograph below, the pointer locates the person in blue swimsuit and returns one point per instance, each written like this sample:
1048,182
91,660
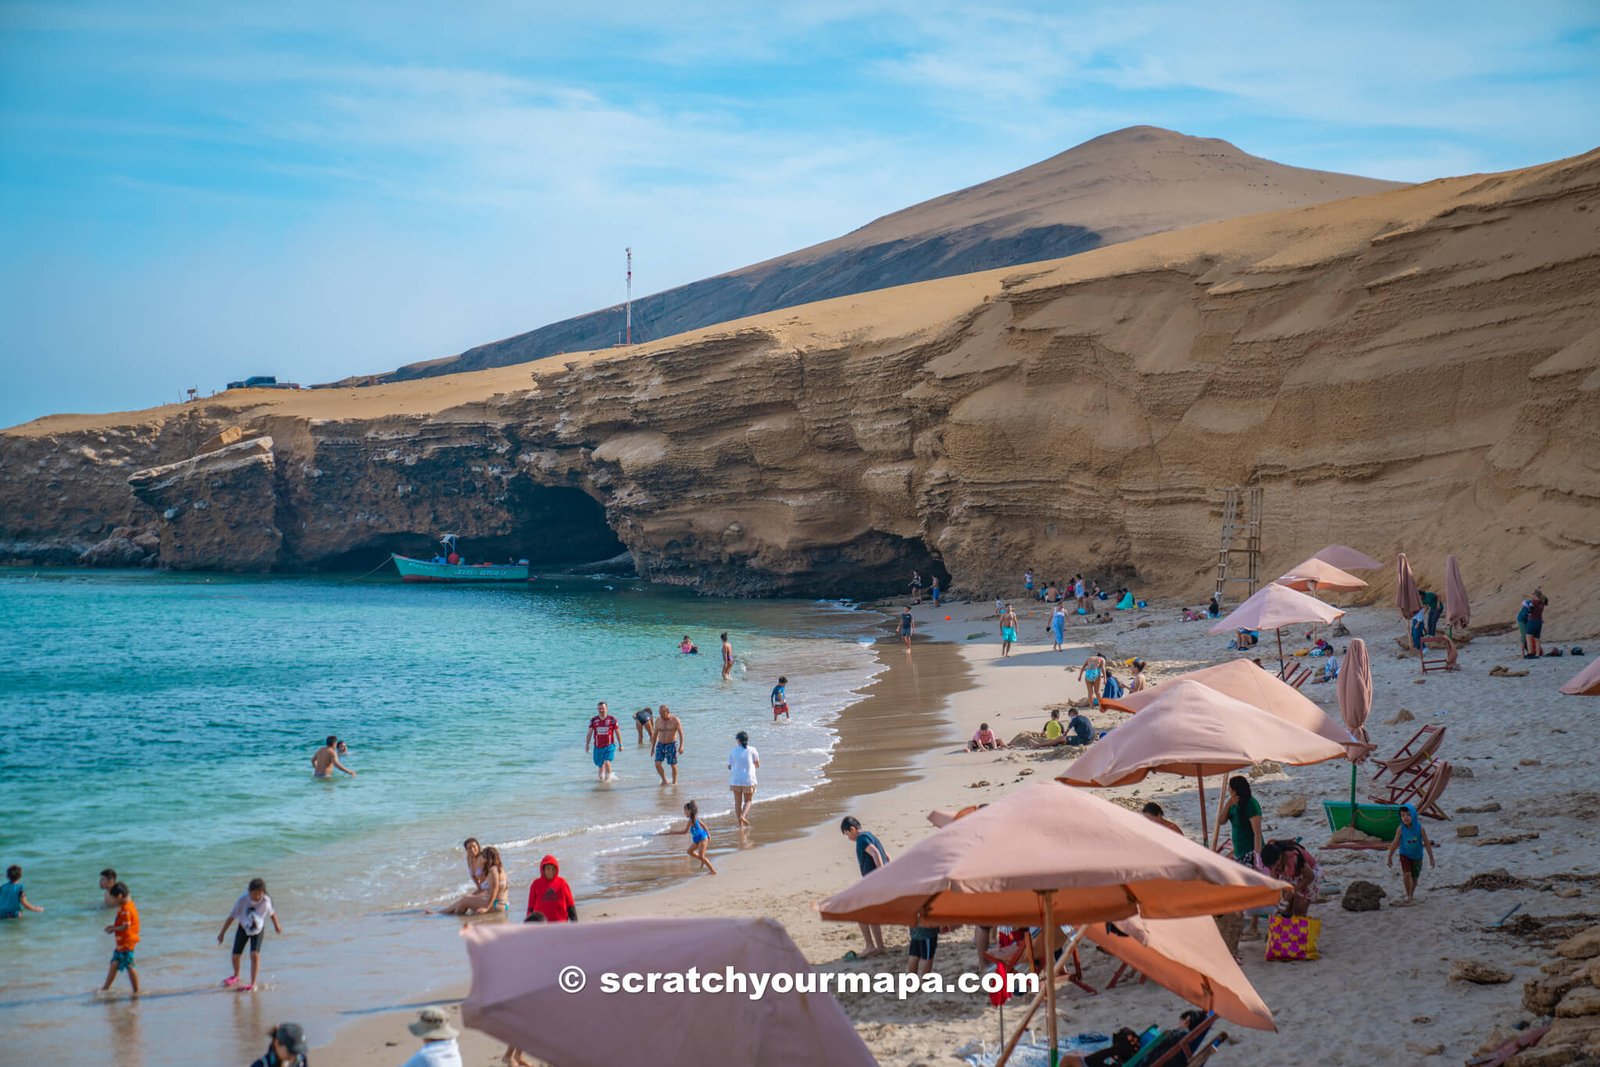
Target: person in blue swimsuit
699,836
1089,674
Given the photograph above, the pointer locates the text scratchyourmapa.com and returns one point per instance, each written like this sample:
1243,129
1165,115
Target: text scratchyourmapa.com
757,984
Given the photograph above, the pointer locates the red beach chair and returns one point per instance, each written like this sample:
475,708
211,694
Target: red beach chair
1436,662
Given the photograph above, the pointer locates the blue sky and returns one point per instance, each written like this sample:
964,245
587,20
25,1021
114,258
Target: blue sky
192,192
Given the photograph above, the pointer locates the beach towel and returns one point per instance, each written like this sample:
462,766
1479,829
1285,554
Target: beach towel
1113,688
1293,938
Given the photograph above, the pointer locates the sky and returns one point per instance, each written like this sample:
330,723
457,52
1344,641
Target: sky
196,192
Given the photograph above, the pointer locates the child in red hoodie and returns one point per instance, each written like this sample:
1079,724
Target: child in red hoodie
550,896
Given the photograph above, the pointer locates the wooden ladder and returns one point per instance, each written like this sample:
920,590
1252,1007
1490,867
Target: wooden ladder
1232,525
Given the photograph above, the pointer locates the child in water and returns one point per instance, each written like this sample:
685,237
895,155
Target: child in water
251,911
126,929
698,835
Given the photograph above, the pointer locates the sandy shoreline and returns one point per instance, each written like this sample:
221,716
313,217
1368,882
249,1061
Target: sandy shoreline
1379,994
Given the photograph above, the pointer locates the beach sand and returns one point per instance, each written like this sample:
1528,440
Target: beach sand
1378,995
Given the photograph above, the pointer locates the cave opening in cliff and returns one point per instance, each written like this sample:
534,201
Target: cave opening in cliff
549,526
876,565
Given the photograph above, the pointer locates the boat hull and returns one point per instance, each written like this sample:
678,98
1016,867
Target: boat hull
422,570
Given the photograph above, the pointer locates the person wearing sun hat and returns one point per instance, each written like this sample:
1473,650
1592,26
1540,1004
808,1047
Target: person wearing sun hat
287,1047
439,1048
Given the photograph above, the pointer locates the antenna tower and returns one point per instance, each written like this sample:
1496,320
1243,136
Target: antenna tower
630,297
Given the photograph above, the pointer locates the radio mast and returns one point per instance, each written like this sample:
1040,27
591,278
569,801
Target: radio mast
630,297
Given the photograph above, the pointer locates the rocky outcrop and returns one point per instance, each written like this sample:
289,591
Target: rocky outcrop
218,509
1416,369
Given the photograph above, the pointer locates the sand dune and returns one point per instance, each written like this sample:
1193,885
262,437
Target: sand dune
1117,187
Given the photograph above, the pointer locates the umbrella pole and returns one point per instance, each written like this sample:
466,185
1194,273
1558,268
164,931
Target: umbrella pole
1204,834
1282,663
1050,983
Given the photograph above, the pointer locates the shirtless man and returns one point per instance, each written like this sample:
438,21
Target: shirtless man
1008,630
669,743
727,658
326,760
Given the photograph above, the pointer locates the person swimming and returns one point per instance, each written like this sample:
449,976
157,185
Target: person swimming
688,647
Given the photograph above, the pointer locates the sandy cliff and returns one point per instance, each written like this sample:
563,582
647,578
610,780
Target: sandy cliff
1117,187
1419,368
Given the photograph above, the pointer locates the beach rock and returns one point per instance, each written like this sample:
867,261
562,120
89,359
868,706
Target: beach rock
980,784
1580,1001
1479,972
1403,715
1541,995
1530,762
1567,892
1467,829
1461,772
1421,1020
1508,839
113,552
1418,1049
1581,946
1292,807
1479,809
1362,896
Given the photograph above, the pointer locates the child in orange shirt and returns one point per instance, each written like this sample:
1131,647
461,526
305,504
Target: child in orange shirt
126,928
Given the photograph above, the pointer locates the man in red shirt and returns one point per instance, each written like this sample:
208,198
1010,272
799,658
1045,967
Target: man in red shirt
550,896
605,739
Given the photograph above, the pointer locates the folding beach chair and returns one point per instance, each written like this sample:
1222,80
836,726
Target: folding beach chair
1410,788
1428,803
1294,674
1185,1050
1020,950
1437,662
1415,753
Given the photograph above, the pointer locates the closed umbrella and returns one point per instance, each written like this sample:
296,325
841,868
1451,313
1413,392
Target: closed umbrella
1316,575
1189,957
1457,611
1347,559
1273,607
1355,703
1191,729
525,992
1406,597
1048,855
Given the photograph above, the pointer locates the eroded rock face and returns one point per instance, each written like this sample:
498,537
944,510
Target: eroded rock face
218,509
1070,416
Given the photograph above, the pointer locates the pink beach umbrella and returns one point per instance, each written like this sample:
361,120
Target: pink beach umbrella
1355,702
1315,575
1406,597
1457,611
1244,681
1274,606
1347,559
1191,729
1586,683
525,992
1045,855
1189,957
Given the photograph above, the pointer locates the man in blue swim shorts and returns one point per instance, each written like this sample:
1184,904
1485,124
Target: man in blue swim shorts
605,737
669,742
1008,630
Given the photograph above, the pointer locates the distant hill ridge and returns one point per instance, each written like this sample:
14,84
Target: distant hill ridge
1120,186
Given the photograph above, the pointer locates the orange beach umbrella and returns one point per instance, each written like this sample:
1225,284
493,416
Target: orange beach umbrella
1347,559
1191,729
1244,681
1189,957
522,993
1043,854
1316,575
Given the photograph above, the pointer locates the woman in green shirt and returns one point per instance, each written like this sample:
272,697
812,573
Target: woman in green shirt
1242,811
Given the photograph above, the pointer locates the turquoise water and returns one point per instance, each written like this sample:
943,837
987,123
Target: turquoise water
163,725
